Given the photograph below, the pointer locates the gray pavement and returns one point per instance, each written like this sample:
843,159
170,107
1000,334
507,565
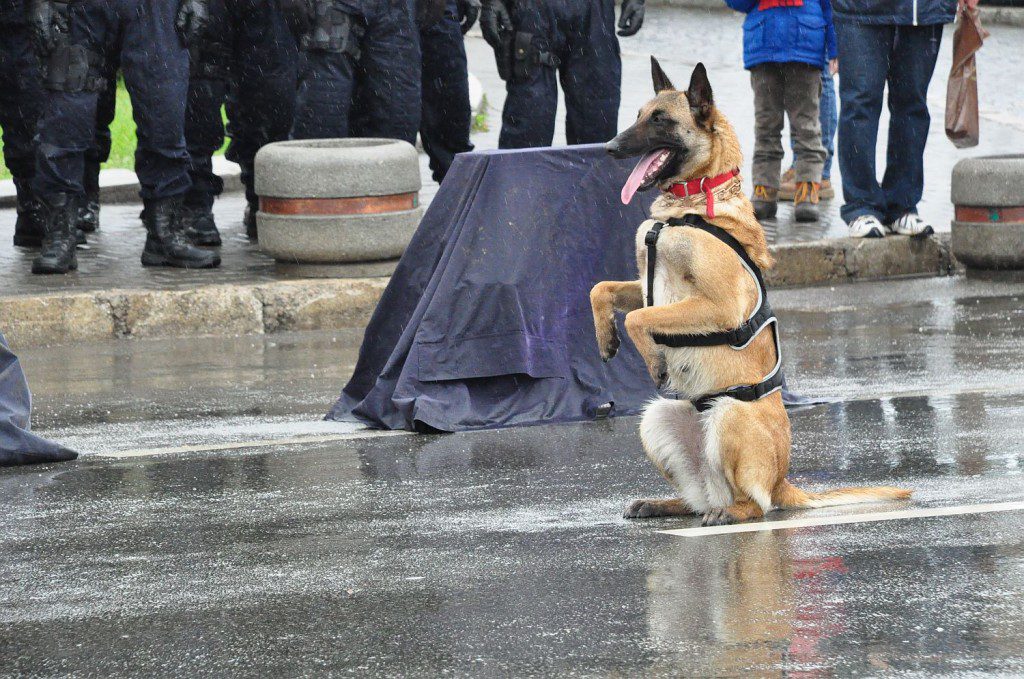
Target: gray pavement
714,37
215,527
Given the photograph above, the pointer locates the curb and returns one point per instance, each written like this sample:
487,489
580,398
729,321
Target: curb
116,192
318,304
1006,16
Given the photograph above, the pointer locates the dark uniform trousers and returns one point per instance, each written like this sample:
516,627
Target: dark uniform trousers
21,93
250,64
141,37
446,114
360,71
580,34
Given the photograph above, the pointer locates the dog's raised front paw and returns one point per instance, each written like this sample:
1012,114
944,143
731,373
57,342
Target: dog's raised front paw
610,348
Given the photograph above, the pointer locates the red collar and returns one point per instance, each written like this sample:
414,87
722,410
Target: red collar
704,185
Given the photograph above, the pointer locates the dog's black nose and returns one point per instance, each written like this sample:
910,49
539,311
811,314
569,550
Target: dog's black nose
613,147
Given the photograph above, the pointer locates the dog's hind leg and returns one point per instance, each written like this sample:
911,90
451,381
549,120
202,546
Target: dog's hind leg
742,465
672,438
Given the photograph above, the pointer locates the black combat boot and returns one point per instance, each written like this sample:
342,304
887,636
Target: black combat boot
58,247
199,225
89,213
166,242
28,229
249,219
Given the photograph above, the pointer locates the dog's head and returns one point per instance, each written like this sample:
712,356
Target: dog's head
674,133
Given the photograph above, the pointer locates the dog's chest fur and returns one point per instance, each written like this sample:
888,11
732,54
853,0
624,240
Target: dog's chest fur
690,373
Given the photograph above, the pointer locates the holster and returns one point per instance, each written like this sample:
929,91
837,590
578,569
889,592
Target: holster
73,68
333,29
521,54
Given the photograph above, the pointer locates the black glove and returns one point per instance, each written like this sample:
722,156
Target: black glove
298,14
469,10
494,20
47,25
631,18
192,21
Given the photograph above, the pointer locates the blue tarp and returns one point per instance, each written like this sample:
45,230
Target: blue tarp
486,321
18,445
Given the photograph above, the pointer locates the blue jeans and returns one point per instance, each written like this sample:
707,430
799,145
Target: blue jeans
904,57
829,118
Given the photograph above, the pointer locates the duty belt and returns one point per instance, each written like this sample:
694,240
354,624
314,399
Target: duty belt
737,338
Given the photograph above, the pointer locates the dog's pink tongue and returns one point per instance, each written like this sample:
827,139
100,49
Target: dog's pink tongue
636,177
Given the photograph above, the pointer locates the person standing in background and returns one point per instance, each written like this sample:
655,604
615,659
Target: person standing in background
785,45
539,44
248,62
77,42
447,114
828,116
896,43
21,96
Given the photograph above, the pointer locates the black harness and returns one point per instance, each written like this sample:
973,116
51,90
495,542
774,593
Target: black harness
737,338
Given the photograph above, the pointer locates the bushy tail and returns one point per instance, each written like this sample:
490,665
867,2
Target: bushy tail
788,496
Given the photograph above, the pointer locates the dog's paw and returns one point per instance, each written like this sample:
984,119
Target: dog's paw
610,348
642,509
659,372
717,517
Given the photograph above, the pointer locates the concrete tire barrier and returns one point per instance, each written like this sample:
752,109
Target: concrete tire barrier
988,226
337,207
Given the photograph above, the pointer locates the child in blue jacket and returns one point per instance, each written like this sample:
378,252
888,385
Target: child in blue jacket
785,45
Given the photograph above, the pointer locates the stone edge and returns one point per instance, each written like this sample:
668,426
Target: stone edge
315,304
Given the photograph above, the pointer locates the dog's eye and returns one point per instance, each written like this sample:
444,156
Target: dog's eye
657,116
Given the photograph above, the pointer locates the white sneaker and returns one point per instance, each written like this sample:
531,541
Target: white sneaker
866,226
911,224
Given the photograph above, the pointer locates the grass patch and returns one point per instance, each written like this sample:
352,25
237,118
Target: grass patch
480,117
122,134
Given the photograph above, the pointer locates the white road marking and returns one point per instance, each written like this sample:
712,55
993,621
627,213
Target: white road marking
234,445
922,513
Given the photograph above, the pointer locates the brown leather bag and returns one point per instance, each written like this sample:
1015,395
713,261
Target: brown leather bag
962,90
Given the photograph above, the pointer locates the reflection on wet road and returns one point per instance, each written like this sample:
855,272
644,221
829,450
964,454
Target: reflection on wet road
504,552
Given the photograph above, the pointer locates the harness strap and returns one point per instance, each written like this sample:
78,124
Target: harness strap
745,392
737,337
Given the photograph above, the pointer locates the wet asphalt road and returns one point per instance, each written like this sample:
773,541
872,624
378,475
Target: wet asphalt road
503,553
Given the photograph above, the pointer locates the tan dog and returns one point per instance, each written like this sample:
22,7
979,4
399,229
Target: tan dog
729,461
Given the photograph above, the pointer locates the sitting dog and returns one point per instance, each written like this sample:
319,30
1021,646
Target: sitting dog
700,318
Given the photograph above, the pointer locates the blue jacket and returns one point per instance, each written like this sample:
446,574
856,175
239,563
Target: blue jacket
803,34
896,12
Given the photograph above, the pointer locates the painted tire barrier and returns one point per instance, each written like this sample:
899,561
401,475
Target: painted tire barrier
988,226
337,207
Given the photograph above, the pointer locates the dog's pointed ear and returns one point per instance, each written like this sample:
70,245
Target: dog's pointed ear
661,81
699,94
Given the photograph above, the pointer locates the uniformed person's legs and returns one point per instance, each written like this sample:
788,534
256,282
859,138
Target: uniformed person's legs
329,48
72,62
591,75
447,115
261,102
21,95
388,91
528,119
106,109
154,61
209,73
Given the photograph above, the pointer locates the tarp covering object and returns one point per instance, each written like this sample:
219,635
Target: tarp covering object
18,445
486,322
